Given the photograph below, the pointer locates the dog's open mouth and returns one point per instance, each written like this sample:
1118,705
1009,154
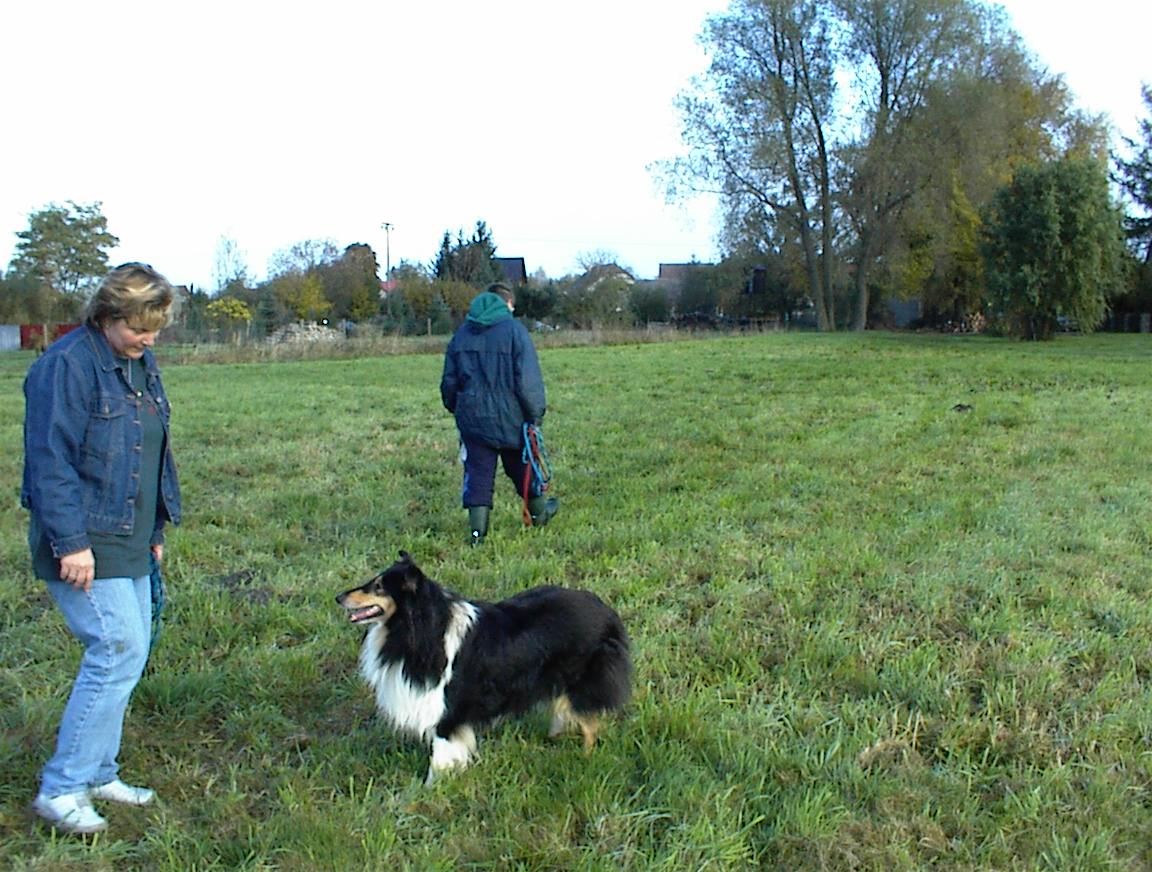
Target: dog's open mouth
365,614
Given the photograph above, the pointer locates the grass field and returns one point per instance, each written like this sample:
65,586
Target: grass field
888,595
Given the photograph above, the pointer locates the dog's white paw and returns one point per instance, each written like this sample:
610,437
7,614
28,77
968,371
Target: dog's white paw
454,753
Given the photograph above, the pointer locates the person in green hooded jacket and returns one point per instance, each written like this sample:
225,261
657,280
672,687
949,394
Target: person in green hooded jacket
492,384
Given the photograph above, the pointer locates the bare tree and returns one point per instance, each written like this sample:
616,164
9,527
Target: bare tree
302,257
587,260
230,269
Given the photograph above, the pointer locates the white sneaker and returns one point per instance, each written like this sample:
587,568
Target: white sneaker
118,791
70,813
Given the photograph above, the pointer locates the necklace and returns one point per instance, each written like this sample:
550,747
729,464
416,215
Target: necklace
128,375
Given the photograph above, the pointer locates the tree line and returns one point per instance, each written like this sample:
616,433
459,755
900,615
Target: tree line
63,253
879,149
863,151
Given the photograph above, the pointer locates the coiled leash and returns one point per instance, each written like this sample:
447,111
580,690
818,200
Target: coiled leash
537,468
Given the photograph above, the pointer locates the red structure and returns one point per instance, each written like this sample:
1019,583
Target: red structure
40,336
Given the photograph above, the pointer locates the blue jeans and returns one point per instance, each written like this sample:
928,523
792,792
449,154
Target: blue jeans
114,623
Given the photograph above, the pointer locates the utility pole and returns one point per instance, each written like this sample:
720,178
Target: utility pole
387,250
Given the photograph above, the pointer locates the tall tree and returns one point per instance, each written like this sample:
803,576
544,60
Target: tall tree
352,283
1054,248
994,113
899,48
819,123
1135,177
65,248
758,130
468,260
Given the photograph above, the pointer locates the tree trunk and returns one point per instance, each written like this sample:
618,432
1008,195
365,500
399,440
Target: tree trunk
860,282
860,318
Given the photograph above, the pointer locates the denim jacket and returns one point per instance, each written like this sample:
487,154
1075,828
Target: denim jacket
83,441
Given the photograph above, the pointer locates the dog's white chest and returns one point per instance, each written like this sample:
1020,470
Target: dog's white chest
409,707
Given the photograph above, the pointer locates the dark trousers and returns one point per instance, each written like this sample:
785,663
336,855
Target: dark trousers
480,471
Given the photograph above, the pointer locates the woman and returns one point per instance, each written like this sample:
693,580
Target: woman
100,482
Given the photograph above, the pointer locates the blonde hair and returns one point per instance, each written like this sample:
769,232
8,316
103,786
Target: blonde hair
135,293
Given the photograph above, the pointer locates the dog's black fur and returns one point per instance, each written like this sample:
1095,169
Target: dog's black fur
442,665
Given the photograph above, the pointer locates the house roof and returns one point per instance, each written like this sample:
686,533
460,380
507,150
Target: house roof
512,269
675,272
603,272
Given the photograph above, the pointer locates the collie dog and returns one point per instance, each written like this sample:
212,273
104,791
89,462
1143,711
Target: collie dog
442,666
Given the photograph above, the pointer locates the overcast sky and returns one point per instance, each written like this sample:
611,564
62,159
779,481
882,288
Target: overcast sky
272,123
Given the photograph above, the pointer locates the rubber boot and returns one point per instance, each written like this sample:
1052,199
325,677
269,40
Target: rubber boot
542,509
478,522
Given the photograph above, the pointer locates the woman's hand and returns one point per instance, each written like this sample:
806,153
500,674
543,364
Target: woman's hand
79,569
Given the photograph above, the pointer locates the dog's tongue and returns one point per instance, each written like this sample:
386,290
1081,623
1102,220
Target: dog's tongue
364,614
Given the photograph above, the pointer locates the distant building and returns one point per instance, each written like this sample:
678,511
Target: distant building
674,273
671,276
512,270
182,307
597,275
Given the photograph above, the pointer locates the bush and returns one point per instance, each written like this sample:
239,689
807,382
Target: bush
1054,249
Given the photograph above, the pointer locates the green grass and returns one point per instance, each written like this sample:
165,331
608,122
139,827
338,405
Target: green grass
888,595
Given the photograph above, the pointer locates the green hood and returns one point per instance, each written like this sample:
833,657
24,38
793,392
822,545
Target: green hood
488,309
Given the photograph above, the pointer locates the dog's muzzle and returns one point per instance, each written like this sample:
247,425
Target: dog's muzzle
365,614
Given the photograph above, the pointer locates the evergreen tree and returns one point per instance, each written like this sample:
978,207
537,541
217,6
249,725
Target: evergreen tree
468,260
1135,177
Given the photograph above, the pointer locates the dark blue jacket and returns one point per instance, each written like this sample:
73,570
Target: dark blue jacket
492,381
83,440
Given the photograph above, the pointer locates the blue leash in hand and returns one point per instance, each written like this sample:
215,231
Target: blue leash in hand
537,467
157,580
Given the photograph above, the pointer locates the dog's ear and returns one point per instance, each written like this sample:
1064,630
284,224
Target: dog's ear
410,572
413,578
